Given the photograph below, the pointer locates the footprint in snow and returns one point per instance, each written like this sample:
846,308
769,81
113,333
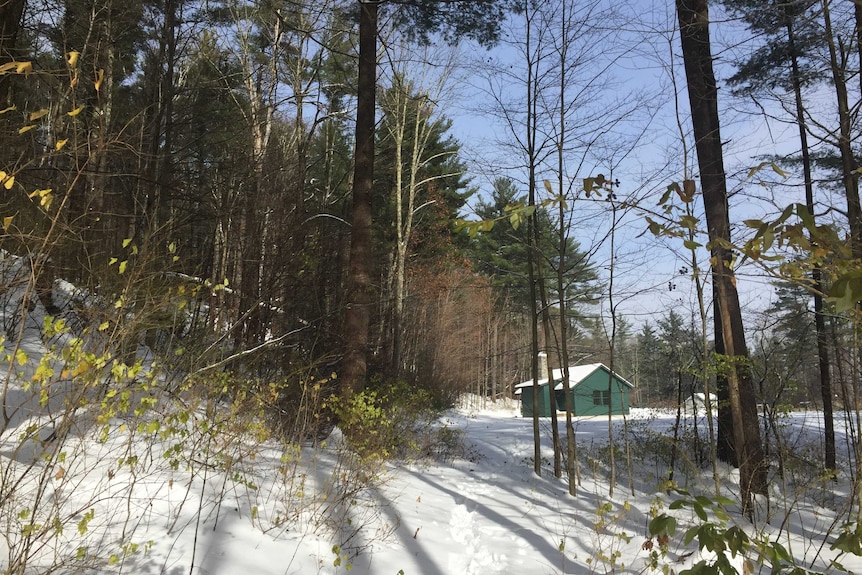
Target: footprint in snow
474,558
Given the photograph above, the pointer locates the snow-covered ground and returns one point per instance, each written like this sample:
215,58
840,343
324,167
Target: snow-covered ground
109,470
483,512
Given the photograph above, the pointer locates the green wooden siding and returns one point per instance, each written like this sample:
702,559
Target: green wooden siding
590,397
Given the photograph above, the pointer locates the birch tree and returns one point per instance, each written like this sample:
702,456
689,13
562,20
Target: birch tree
411,124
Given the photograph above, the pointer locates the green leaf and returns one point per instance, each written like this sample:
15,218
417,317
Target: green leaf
83,524
654,227
688,222
699,568
666,195
846,291
805,216
768,238
781,553
663,524
690,535
785,214
849,541
737,540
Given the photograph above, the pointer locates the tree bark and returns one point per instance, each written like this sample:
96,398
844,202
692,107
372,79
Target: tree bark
816,273
703,98
359,287
11,12
845,137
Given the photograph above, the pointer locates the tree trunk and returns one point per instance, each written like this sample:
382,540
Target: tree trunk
571,444
11,12
724,450
703,98
816,273
549,372
359,288
845,136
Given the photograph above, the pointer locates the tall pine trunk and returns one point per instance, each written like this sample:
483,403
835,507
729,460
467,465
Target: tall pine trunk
359,287
703,99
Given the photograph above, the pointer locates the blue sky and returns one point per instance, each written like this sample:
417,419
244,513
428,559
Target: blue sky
640,62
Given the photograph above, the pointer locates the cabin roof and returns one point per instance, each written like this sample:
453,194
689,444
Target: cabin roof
577,374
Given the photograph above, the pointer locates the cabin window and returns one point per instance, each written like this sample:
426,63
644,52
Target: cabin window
601,397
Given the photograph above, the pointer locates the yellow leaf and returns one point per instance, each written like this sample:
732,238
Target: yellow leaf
39,114
126,242
60,144
7,221
9,109
72,58
10,181
123,265
19,67
104,325
75,112
82,368
21,357
61,473
99,79
26,129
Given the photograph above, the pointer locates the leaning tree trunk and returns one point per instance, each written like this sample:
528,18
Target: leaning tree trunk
359,287
703,99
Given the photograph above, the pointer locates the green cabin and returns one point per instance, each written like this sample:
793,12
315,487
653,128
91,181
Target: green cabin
590,389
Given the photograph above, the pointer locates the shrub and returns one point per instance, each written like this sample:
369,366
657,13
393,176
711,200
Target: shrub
395,421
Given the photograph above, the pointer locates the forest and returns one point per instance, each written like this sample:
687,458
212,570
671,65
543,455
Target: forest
352,213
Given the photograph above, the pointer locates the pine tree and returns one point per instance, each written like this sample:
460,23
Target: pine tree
476,19
785,62
703,99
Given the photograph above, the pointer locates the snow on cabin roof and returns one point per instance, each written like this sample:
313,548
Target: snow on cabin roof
577,374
